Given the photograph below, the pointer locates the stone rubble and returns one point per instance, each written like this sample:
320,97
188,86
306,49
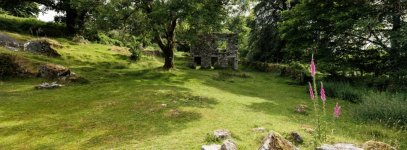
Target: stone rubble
211,147
375,145
274,141
338,146
46,85
296,138
259,129
228,145
222,134
42,47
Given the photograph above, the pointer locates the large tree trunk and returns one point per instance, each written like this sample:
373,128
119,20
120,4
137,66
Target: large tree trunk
168,51
169,45
75,20
395,38
70,20
168,59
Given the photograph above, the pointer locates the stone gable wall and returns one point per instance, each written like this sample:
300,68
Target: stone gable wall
210,55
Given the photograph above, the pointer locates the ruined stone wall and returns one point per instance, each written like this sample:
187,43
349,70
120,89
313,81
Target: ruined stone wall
208,50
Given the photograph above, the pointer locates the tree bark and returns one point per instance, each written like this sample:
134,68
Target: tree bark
168,51
169,59
70,20
394,38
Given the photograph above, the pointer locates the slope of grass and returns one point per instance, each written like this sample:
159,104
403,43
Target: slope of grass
121,106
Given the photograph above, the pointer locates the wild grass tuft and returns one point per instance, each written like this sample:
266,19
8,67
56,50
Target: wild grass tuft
344,91
386,108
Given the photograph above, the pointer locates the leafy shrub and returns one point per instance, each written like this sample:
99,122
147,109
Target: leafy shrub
104,39
389,109
31,26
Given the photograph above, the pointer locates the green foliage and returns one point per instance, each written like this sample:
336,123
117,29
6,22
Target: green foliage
31,26
239,25
104,39
386,108
348,37
19,8
162,21
135,53
265,42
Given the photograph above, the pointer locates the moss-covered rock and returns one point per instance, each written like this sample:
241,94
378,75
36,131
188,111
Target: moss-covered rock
14,66
275,141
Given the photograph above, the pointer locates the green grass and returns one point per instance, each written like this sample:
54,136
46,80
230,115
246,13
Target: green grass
121,106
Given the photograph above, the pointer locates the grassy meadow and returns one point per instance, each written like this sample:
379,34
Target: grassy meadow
121,106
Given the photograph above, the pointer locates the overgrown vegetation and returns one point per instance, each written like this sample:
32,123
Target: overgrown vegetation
386,108
344,91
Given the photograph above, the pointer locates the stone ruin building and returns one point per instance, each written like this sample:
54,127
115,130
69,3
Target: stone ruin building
218,50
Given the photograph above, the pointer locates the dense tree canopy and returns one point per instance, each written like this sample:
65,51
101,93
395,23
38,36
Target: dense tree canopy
367,36
266,44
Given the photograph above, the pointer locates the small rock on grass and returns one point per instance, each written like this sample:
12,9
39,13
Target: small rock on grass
259,129
222,134
163,105
228,145
52,85
296,138
211,147
375,145
274,141
338,146
301,108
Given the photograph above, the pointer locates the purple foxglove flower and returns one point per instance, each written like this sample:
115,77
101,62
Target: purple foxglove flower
311,92
323,97
337,110
312,66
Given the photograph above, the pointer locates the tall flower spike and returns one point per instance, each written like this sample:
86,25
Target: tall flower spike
323,97
311,91
337,110
312,66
